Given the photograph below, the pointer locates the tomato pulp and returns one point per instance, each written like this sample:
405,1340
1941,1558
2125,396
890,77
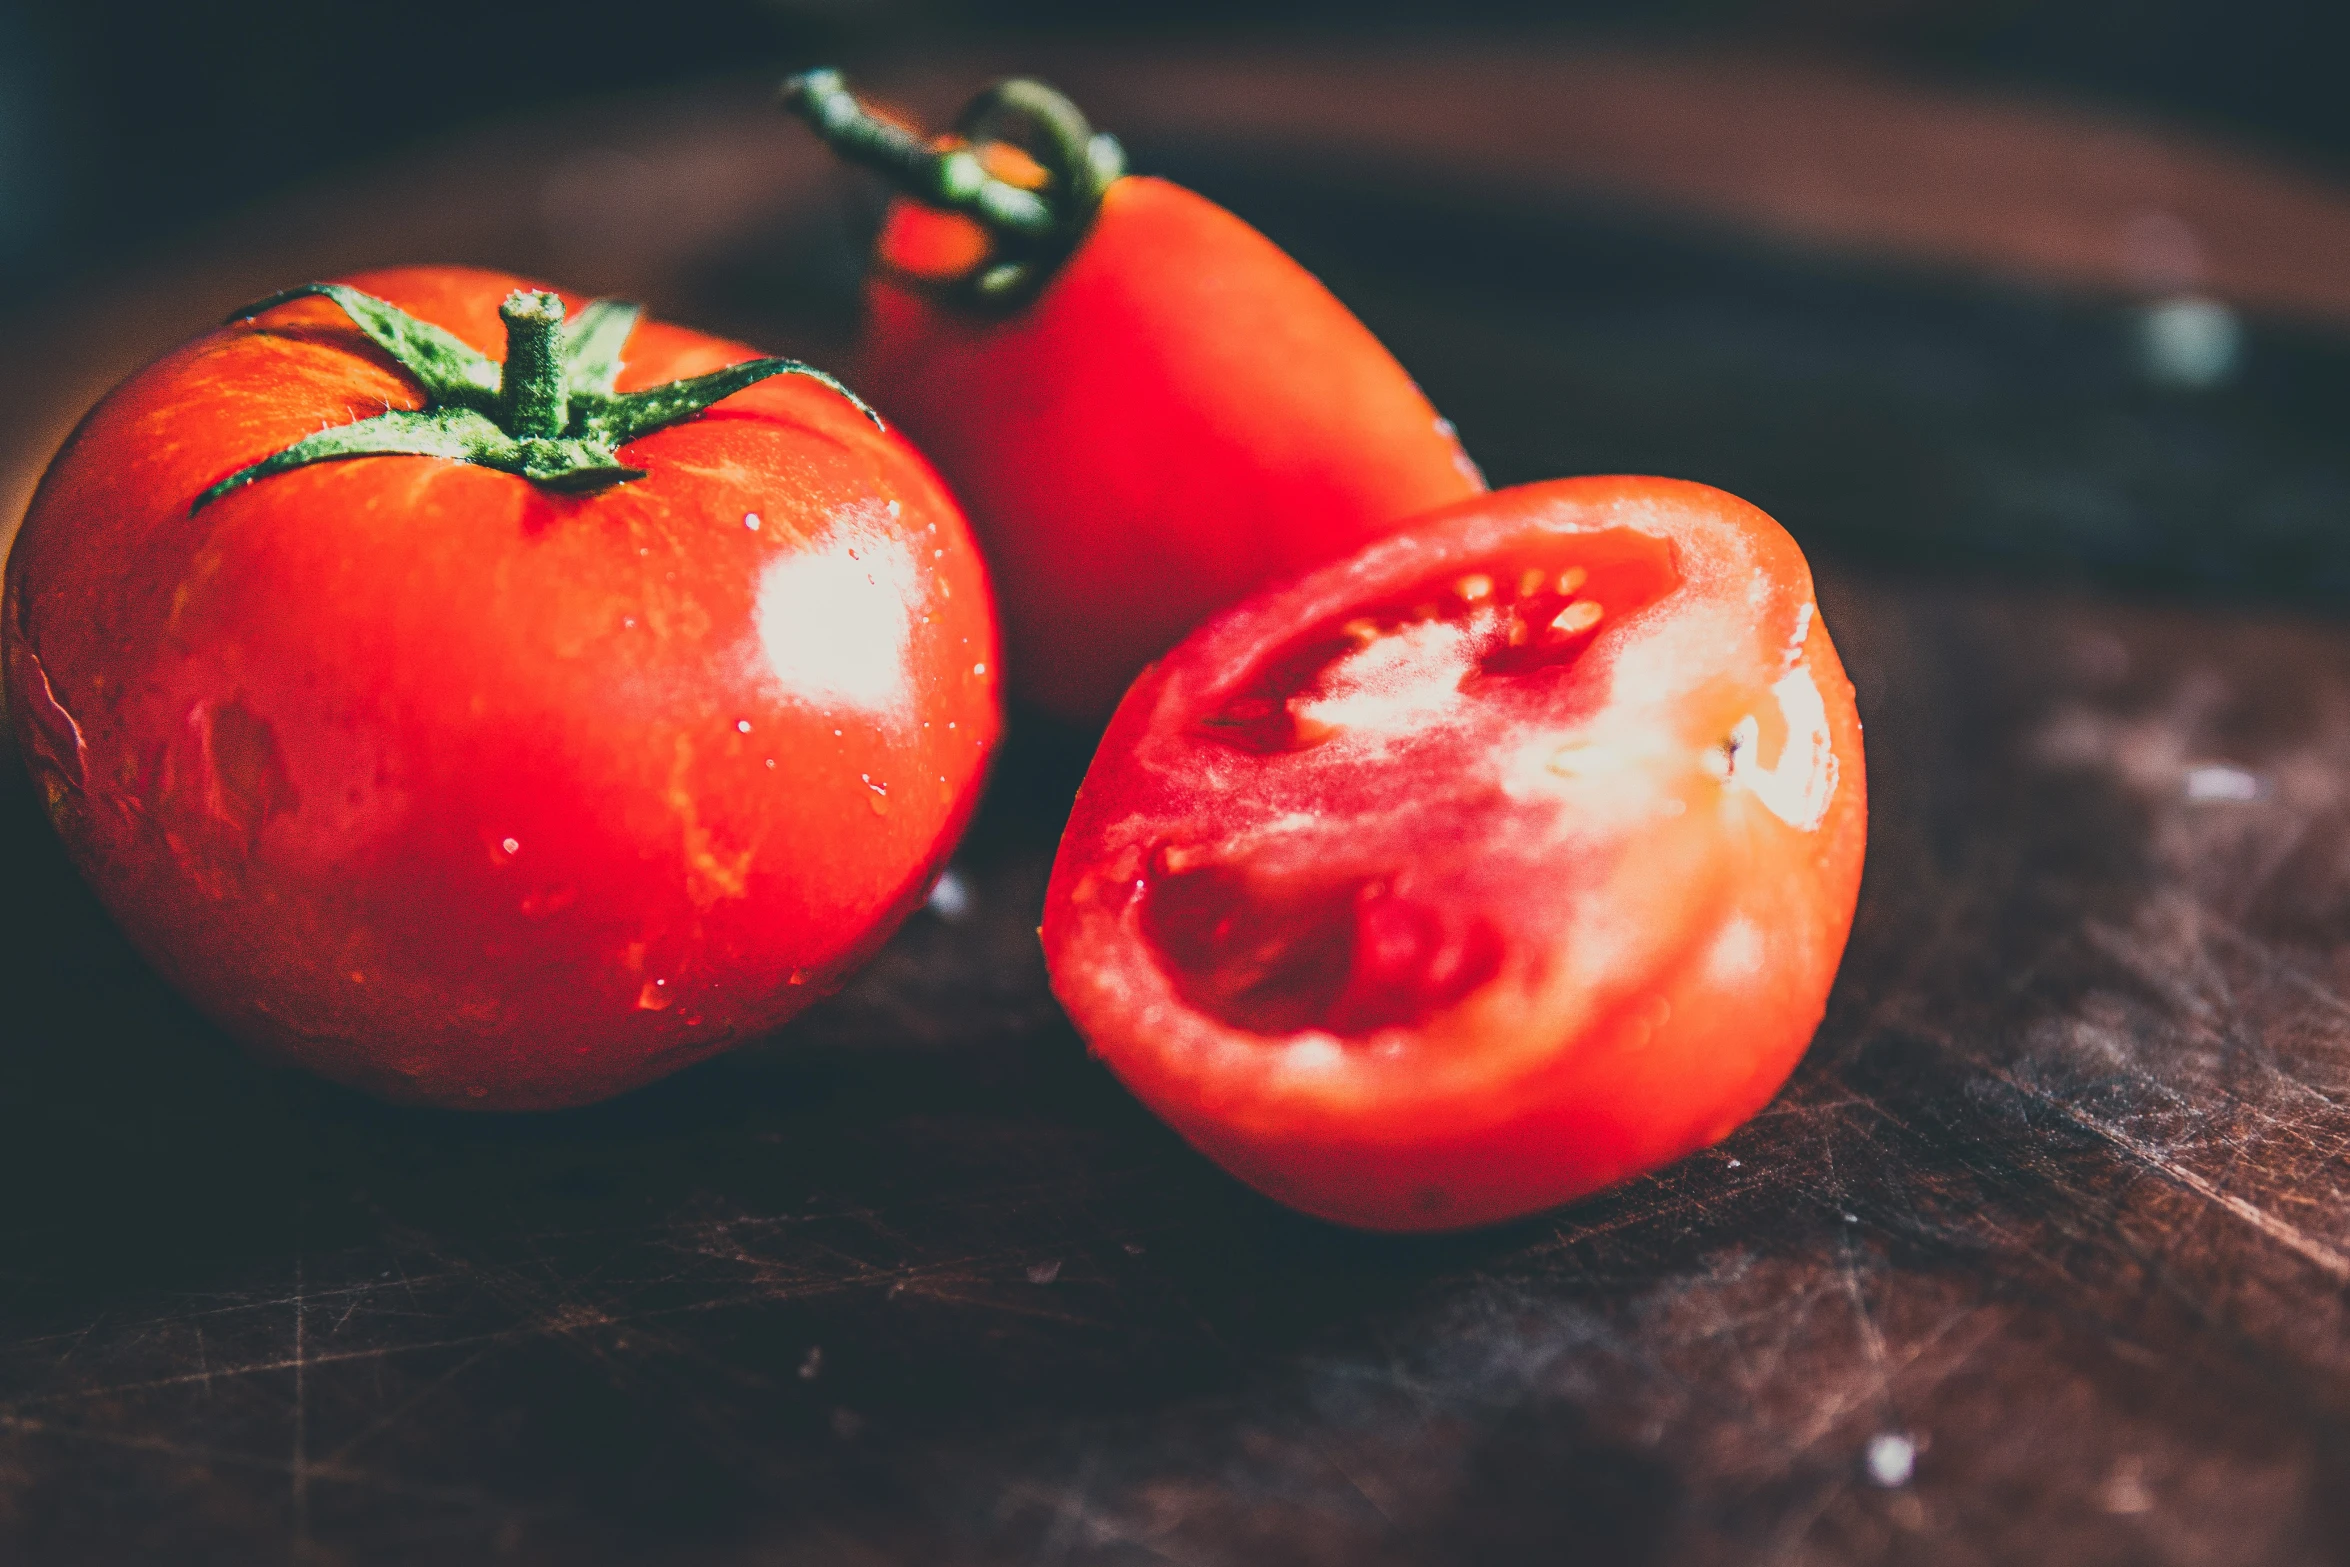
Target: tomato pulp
1502,862
475,792
1171,413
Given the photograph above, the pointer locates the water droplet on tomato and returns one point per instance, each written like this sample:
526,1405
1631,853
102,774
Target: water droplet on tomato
654,997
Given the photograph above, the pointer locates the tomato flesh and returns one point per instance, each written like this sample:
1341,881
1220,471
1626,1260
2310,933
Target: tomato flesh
1502,862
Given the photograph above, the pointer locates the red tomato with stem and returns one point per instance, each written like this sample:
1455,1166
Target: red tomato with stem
1148,407
492,735
1504,861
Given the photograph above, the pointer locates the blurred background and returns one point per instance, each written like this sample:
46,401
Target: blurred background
124,128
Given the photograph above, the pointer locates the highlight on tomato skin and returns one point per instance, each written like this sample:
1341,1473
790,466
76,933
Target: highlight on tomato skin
1509,859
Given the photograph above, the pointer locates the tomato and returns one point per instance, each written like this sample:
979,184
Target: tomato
496,789
1148,407
1504,861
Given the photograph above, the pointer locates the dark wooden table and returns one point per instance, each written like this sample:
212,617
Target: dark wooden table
2044,1256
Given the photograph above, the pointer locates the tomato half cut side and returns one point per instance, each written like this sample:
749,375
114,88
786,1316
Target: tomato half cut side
1500,863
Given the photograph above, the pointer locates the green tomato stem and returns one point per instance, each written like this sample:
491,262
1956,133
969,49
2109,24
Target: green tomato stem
1035,231
537,401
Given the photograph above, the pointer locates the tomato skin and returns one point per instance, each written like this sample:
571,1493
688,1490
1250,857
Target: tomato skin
1654,915
1183,414
475,794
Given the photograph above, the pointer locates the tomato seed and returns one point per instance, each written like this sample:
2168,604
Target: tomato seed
1581,615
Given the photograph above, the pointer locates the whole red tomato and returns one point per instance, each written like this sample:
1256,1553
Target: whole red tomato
515,776
1148,407
1504,861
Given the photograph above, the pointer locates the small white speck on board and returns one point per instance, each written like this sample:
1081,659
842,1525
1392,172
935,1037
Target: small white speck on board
2124,1491
1890,1460
2216,781
2189,342
950,898
1045,1272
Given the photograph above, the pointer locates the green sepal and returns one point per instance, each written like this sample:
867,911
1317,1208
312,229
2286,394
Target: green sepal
592,341
467,417
621,419
562,463
459,434
449,369
446,432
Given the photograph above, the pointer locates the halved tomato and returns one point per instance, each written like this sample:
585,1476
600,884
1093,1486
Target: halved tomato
1504,861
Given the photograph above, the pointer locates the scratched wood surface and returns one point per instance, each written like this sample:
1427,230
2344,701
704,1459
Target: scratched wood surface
2044,1256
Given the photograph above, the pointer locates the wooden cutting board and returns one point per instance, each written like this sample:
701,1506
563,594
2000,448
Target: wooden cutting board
2044,1256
